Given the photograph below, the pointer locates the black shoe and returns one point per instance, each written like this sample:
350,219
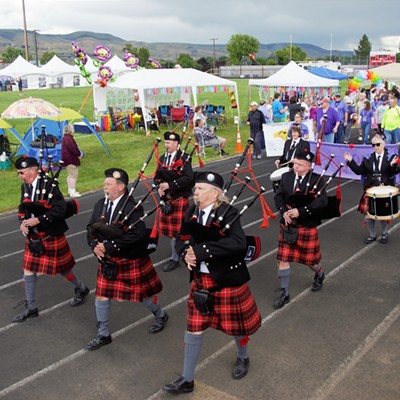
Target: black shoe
318,282
170,266
384,238
97,342
159,324
370,239
241,368
24,315
181,385
223,153
80,295
282,299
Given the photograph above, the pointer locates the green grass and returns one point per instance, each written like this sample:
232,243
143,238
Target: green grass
128,149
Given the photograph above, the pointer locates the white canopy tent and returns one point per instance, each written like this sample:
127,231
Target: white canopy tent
389,72
157,87
118,66
294,78
60,73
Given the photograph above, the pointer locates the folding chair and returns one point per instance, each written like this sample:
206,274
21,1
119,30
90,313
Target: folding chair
164,113
177,118
220,110
205,142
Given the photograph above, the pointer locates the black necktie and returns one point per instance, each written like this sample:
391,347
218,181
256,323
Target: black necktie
377,159
297,186
201,217
291,151
168,159
109,212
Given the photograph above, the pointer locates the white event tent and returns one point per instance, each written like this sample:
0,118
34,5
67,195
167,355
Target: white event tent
293,78
389,72
60,73
156,87
118,66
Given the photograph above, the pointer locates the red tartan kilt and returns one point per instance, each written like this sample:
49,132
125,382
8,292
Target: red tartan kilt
171,224
234,311
363,205
136,280
56,259
305,251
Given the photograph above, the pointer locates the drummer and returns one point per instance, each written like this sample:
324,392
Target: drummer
376,170
292,147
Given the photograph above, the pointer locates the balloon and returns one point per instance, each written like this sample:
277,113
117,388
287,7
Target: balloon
137,117
102,53
135,95
131,61
252,56
154,63
105,72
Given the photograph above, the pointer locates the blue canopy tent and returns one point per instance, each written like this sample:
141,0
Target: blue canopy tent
328,73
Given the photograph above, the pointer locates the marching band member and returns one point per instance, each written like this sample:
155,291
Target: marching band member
46,249
221,274
125,272
175,187
289,200
376,170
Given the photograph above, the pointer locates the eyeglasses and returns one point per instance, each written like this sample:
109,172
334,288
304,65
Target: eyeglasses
375,144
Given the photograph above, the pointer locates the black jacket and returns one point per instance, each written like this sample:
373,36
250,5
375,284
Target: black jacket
224,256
302,146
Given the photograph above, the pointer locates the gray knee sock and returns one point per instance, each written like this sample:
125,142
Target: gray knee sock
174,254
193,345
371,227
71,276
284,278
153,307
30,289
241,343
384,227
103,309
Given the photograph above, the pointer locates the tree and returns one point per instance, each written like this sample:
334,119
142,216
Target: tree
47,56
286,54
143,55
241,45
363,49
185,61
11,54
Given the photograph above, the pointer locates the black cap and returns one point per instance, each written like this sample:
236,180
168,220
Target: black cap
117,173
26,162
172,136
305,155
209,177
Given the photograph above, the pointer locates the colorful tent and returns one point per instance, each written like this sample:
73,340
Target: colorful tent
327,73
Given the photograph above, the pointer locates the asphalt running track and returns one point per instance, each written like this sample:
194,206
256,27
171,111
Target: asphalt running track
340,343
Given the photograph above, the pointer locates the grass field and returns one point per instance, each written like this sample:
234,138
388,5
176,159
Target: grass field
128,149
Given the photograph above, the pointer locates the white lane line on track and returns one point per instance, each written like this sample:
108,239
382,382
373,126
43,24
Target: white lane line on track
205,362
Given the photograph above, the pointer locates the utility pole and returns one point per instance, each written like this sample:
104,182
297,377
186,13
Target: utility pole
36,48
25,32
330,49
213,40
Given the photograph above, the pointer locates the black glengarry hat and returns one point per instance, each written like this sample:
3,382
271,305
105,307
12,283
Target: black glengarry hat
172,136
211,178
26,162
118,174
305,155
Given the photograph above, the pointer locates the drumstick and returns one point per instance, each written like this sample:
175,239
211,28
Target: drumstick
286,163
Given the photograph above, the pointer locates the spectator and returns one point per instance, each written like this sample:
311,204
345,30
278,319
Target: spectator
352,119
359,107
332,120
278,111
294,108
255,120
365,121
391,120
298,118
19,80
380,111
207,137
341,107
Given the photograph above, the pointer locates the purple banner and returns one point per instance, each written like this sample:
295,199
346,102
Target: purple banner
358,152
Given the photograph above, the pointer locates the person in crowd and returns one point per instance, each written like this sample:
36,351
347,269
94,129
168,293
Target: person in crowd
298,121
380,111
175,180
376,170
330,115
351,120
47,251
294,108
266,108
365,121
391,119
313,115
125,271
198,114
20,87
71,156
341,107
255,120
216,267
359,107
376,102
299,212
278,110
292,147
306,103
208,136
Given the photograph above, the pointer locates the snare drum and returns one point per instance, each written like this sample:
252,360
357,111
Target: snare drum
276,177
383,202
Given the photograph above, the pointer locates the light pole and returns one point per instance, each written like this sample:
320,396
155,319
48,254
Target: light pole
36,48
25,32
213,40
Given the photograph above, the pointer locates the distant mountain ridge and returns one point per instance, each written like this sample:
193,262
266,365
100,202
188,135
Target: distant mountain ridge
61,43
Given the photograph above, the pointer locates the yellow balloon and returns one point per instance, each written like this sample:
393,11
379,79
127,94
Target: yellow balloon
137,117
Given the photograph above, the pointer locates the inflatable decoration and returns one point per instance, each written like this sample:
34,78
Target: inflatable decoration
131,61
135,94
81,59
154,63
363,76
233,99
102,53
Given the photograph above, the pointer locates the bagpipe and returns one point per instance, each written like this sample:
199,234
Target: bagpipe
217,227
299,199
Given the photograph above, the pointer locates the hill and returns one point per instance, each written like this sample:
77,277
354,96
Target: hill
89,40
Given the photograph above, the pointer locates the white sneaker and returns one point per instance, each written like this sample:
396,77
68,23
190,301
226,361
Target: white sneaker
360,139
75,194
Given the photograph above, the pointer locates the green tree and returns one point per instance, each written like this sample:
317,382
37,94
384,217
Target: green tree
241,45
130,48
185,61
286,54
11,54
363,50
398,57
143,54
47,56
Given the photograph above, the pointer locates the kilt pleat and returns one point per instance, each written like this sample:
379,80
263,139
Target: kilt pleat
56,259
171,224
136,280
234,311
305,251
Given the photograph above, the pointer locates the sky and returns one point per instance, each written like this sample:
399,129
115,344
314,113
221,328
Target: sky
330,24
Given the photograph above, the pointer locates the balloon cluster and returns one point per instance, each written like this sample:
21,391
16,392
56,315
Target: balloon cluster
131,61
233,99
363,76
81,59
